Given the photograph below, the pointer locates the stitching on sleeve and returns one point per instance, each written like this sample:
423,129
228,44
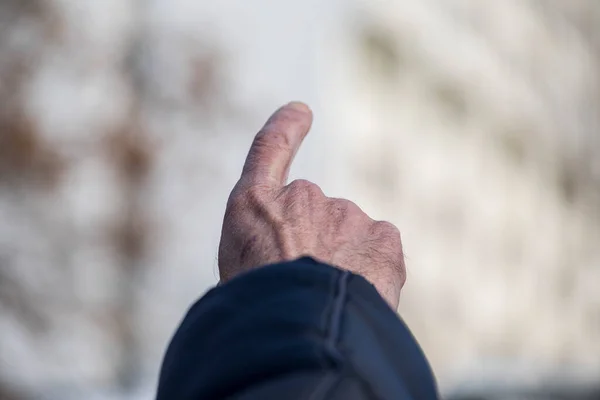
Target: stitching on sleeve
335,319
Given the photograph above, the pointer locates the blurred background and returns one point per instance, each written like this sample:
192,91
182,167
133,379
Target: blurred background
474,126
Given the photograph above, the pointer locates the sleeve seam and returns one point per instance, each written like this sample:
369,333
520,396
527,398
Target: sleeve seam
335,317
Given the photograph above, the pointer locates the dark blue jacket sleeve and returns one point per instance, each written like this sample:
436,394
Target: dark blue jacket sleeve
296,330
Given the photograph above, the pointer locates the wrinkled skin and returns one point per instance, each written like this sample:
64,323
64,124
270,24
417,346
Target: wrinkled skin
267,221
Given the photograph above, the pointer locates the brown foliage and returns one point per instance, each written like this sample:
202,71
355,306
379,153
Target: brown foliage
24,156
131,153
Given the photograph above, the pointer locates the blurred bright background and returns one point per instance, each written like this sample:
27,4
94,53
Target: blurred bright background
472,125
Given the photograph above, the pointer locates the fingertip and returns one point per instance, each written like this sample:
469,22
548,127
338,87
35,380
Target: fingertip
294,111
299,106
304,115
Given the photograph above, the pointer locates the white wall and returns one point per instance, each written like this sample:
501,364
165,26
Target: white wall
461,143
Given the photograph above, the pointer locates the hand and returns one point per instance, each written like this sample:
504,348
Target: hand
267,222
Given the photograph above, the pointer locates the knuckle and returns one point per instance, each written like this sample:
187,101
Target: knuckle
342,209
301,195
344,205
348,206
386,230
304,187
402,276
399,269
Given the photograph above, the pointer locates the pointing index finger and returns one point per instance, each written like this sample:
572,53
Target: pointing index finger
274,147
